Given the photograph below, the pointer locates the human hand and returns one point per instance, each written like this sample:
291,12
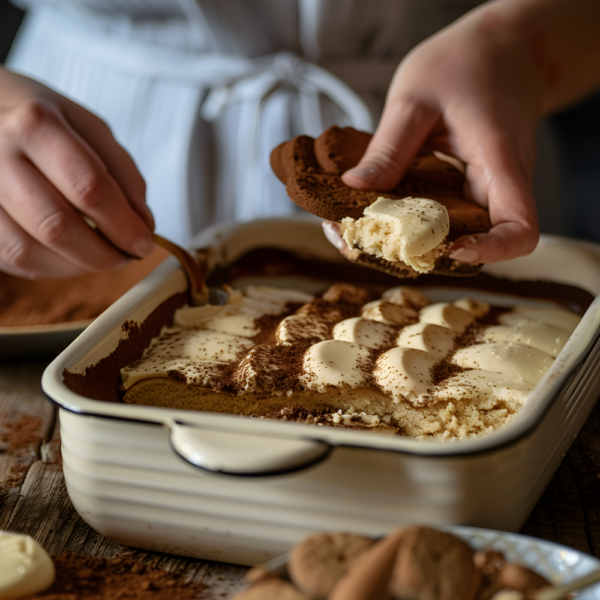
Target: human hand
57,162
472,91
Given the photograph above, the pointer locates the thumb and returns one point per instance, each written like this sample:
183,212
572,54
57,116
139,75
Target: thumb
404,126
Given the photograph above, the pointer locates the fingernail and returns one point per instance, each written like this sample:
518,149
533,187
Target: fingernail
364,172
143,246
468,255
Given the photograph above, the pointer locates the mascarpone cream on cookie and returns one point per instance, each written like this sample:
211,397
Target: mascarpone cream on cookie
411,230
398,363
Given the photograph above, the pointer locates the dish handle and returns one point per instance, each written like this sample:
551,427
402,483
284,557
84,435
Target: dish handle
244,455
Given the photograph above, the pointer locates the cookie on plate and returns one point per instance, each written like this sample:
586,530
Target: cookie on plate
434,565
317,563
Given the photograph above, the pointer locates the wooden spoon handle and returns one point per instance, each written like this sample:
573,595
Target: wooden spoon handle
198,289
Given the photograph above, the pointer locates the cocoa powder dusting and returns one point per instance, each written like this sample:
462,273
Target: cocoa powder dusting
274,261
444,370
280,368
101,381
267,325
94,578
44,302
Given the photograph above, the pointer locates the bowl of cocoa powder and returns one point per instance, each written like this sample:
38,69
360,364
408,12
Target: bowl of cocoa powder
42,317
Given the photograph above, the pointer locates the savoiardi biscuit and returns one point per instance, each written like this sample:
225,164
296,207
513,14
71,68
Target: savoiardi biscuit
312,168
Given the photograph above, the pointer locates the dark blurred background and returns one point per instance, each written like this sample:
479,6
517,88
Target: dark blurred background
574,211
10,19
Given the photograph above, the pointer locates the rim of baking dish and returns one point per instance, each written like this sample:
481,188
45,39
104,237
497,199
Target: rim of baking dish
582,342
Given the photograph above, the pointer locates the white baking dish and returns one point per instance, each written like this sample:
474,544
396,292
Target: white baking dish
243,490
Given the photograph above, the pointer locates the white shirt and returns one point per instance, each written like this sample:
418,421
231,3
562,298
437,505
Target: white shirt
200,91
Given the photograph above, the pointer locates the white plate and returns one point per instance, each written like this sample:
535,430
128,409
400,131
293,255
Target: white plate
559,564
38,340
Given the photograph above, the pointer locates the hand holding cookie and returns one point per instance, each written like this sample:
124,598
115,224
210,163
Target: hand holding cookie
406,231
473,91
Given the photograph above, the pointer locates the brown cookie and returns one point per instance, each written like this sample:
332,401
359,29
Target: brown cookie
317,563
271,589
488,563
429,176
346,292
433,565
521,579
312,169
444,265
369,579
340,149
320,192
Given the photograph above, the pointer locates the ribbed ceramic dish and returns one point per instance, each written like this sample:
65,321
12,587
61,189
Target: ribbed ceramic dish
244,490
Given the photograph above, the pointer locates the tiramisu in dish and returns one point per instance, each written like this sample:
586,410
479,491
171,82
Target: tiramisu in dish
405,231
394,362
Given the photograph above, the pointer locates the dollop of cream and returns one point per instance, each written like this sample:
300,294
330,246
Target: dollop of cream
433,339
389,313
411,230
485,386
238,316
557,317
477,308
186,351
302,328
365,332
25,567
447,315
334,363
406,296
404,373
538,335
511,360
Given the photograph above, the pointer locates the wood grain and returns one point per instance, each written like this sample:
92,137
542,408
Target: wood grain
34,499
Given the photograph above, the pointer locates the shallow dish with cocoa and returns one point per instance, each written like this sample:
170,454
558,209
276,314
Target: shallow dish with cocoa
43,316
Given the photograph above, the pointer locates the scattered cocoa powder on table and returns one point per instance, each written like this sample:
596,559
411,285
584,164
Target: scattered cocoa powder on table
21,437
22,433
93,578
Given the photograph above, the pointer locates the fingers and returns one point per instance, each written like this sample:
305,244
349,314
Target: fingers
22,256
500,180
78,174
404,126
118,162
37,208
503,242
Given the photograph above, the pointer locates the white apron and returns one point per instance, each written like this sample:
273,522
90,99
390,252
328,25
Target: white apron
200,91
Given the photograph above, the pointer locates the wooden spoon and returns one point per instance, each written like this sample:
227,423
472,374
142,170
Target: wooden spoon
198,288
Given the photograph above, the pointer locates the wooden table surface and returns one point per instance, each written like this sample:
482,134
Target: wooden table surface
33,497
